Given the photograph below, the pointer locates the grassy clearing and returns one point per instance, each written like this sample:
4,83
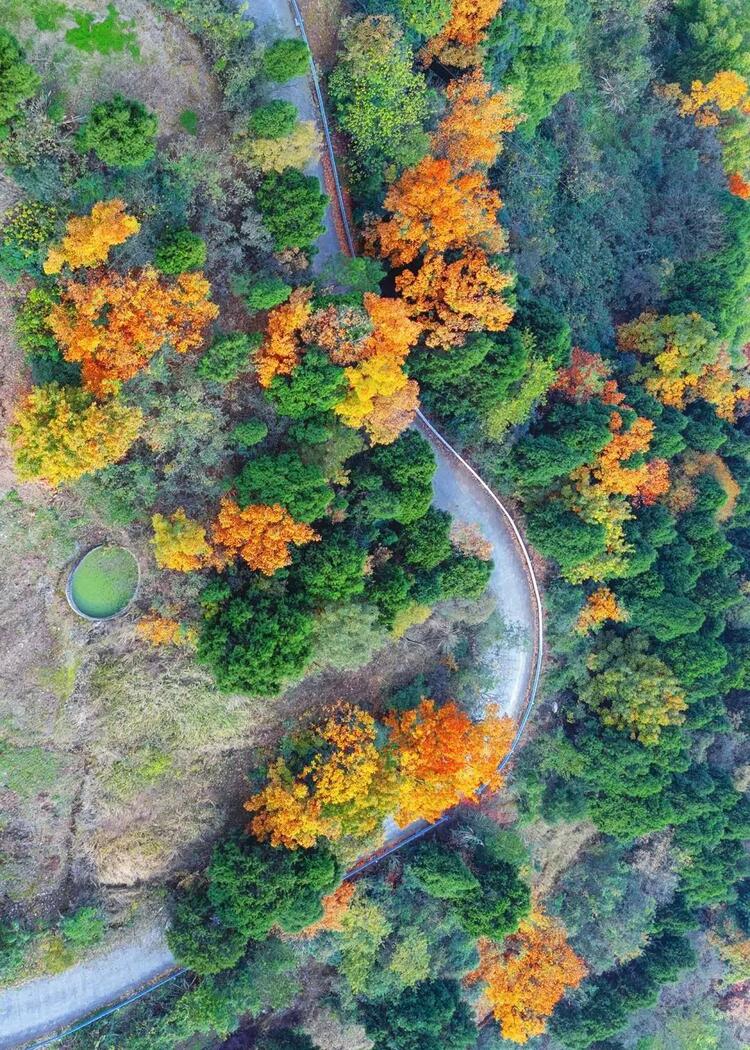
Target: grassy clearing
27,771
104,581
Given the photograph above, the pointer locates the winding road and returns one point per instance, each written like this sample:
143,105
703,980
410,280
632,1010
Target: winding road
47,1004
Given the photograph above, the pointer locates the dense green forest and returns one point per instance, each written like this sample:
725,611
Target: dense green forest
551,201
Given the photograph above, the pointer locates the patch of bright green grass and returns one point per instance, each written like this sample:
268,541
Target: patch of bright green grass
26,770
111,34
189,121
48,14
104,581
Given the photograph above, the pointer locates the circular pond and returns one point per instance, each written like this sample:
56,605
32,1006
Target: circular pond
103,582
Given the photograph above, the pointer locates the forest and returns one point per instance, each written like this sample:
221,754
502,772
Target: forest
549,202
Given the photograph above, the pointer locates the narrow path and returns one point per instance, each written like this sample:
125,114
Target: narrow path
45,1005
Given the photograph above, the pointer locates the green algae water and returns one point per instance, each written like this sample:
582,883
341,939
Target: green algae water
104,581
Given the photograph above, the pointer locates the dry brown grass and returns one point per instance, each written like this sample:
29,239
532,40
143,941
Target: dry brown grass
170,75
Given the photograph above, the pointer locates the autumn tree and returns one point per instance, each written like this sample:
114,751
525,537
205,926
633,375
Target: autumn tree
259,534
335,907
179,542
527,975
164,630
434,207
633,690
281,351
381,398
60,433
587,376
681,359
114,324
451,299
346,787
726,90
89,238
444,757
470,134
601,606
460,41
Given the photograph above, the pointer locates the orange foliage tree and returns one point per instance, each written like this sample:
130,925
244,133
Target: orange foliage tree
433,207
601,605
281,351
444,757
114,324
89,238
738,186
163,630
450,299
460,41
335,907
347,787
527,975
180,543
470,134
260,534
587,376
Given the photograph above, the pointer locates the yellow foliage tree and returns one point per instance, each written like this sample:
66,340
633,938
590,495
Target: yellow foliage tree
601,605
294,150
163,630
451,299
60,433
347,787
180,543
89,238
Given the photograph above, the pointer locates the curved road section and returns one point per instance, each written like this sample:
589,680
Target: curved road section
46,1004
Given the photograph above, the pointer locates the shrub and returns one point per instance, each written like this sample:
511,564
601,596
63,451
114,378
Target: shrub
121,132
292,207
250,432
228,356
273,120
32,331
189,121
180,250
286,59
13,947
262,293
18,81
84,928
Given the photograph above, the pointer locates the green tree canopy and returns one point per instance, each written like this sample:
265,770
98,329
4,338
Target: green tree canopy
18,80
122,133
292,207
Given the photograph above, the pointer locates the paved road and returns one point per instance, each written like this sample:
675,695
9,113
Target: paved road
273,19
40,1006
48,1003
